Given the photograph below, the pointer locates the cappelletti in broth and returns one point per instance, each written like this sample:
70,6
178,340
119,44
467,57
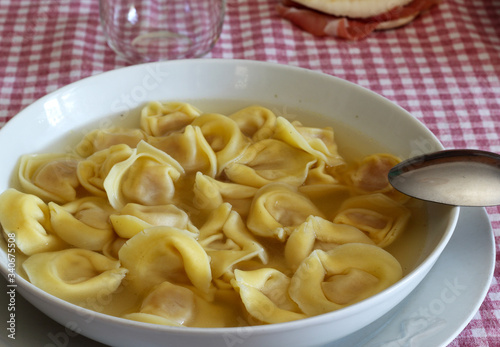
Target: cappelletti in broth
207,220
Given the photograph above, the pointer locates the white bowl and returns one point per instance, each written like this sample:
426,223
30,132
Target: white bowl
223,86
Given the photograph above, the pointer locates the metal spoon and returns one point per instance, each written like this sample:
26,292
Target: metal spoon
453,177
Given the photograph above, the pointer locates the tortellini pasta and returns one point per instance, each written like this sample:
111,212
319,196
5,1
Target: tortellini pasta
159,119
316,141
52,177
148,177
133,218
93,170
227,241
100,139
224,137
382,218
278,208
175,305
269,161
83,223
256,122
172,255
327,281
370,174
200,219
190,149
319,176
28,218
74,274
210,193
319,233
264,293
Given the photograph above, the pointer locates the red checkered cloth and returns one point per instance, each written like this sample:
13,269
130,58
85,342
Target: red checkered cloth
444,68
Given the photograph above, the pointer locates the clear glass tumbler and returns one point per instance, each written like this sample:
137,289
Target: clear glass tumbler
156,30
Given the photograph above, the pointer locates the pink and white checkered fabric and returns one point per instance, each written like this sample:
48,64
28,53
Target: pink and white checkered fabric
444,68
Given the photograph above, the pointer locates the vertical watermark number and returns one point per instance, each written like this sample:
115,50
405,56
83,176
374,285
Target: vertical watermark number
11,285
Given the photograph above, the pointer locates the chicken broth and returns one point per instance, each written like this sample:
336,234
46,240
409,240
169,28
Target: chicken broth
206,214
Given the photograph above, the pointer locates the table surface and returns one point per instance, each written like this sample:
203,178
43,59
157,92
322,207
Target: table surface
444,68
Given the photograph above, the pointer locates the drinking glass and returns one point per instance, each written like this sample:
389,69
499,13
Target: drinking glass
156,30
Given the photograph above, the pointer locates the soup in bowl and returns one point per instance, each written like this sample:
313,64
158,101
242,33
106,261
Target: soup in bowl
215,201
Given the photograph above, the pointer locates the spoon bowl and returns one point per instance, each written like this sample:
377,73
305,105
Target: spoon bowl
462,177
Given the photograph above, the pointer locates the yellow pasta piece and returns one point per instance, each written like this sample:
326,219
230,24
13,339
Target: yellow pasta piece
160,254
380,217
159,119
370,175
28,218
170,304
227,241
210,193
256,122
83,223
112,248
318,174
349,273
319,233
100,139
52,177
134,218
75,275
146,177
93,170
270,161
277,209
190,149
224,136
264,294
316,141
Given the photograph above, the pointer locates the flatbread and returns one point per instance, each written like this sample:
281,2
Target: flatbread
396,23
353,8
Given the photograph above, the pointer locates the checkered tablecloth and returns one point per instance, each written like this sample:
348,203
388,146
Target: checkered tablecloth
444,68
